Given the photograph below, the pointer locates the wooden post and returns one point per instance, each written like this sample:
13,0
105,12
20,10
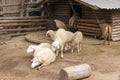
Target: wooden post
75,72
71,4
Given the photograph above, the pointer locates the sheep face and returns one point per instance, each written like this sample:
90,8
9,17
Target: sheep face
35,62
31,48
55,46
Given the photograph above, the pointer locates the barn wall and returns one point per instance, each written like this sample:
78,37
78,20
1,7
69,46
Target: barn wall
61,10
13,9
88,24
116,25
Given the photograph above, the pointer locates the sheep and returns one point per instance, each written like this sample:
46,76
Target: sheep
43,57
76,41
50,33
106,32
54,24
36,48
33,48
72,25
60,24
60,38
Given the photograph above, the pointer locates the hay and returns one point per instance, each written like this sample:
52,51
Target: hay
37,37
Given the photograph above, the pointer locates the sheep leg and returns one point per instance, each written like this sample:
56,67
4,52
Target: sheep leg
57,52
78,47
44,64
62,51
105,38
109,39
72,50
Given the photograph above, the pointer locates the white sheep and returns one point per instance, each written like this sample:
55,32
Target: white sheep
76,41
43,57
60,39
50,33
36,48
60,24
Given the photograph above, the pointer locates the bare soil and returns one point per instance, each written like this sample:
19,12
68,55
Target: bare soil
15,62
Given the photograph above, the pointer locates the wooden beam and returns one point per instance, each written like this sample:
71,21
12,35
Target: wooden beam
19,18
22,29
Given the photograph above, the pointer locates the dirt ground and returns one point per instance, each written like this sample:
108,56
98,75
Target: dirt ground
15,62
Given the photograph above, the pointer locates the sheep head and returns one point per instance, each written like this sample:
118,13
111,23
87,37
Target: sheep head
35,62
55,46
31,48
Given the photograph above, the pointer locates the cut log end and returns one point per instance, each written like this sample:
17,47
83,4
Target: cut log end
75,72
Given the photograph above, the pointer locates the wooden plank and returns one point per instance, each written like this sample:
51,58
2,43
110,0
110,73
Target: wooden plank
22,21
9,12
18,18
7,5
22,29
85,27
20,24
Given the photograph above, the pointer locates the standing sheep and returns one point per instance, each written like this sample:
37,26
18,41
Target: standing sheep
60,39
50,33
76,41
106,32
72,25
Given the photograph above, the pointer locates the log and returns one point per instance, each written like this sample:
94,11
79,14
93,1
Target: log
75,72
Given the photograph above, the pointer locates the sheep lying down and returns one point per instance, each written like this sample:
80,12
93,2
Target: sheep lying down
43,55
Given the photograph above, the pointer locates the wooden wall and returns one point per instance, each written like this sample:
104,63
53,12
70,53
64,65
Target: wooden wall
116,25
61,10
88,24
12,10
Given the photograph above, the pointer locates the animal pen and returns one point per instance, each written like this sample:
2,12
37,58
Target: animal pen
16,18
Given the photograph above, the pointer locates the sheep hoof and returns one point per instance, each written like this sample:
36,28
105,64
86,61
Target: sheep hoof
38,68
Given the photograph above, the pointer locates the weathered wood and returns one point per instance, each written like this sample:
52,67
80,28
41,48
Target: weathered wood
31,3
90,28
22,29
20,24
9,12
22,10
7,5
22,21
18,18
75,72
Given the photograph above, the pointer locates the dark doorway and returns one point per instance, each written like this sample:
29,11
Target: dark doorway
78,10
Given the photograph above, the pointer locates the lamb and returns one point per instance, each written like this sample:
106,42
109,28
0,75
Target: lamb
106,32
76,41
50,33
60,39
